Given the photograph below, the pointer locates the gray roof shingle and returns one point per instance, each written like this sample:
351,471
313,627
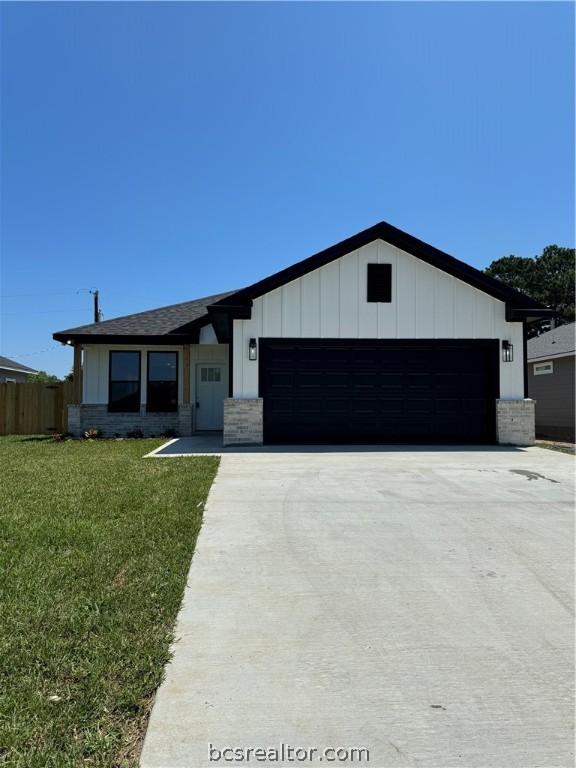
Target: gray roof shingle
12,365
153,322
558,341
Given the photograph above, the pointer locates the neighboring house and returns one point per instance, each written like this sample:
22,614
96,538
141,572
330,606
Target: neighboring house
551,382
380,338
13,371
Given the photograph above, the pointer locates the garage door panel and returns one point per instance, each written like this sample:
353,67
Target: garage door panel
391,406
282,380
280,405
327,390
470,406
447,406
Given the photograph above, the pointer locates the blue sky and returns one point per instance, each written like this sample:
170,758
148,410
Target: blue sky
161,152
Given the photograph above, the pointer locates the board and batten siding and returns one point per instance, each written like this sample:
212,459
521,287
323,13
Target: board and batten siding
96,362
330,303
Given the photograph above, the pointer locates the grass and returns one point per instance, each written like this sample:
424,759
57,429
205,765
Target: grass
95,547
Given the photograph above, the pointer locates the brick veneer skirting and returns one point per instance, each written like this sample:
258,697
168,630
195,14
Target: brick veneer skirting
86,416
515,422
243,421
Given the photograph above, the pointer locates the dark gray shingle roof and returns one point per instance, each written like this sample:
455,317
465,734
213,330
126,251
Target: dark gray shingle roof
559,341
12,365
154,322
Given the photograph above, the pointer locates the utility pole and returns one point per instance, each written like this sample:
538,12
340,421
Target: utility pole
97,314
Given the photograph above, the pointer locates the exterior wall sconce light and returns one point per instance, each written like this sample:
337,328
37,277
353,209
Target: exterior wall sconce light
507,351
252,350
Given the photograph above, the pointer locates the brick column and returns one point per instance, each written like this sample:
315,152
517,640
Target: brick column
74,420
515,422
185,420
243,423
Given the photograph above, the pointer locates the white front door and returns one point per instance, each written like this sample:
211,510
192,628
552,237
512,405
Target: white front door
211,389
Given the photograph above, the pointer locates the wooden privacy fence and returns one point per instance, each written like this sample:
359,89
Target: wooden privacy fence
34,409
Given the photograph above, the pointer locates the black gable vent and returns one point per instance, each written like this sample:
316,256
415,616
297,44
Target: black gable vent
379,281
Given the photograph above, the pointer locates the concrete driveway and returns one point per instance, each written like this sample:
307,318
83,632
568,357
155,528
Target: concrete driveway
416,603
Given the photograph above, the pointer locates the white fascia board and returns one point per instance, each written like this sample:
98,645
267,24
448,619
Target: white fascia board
18,370
550,357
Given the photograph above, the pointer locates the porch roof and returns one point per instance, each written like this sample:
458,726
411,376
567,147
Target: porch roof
176,323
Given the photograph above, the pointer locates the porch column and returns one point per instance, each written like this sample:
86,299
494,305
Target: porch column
186,374
73,409
77,374
185,409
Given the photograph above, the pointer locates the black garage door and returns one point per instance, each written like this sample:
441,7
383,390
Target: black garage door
339,391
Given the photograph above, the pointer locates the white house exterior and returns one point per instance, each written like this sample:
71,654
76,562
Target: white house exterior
380,338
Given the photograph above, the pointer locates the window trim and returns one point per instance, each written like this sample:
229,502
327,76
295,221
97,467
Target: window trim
125,381
163,351
548,363
370,268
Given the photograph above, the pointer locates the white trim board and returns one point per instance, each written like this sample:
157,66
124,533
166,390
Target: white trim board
543,358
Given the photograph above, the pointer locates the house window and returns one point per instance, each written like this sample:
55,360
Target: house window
542,368
162,389
124,382
379,283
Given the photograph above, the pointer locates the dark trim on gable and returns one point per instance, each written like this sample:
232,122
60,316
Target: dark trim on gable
221,317
399,239
523,315
238,305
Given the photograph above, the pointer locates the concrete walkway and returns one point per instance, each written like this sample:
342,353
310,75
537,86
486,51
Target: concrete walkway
415,603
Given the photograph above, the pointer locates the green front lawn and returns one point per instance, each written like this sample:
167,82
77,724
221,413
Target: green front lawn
95,547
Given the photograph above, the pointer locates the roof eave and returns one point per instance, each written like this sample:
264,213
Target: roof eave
528,314
550,356
174,339
30,371
185,334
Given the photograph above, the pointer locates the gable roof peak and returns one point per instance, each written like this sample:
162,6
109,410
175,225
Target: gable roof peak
400,239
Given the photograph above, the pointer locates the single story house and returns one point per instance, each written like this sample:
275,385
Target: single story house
551,382
379,338
14,372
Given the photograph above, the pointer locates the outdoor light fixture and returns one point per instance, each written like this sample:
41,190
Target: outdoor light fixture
252,350
507,351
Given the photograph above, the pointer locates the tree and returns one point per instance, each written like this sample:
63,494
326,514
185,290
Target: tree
548,278
42,378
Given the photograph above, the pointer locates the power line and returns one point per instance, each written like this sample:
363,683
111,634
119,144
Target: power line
69,293
26,295
45,311
38,352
